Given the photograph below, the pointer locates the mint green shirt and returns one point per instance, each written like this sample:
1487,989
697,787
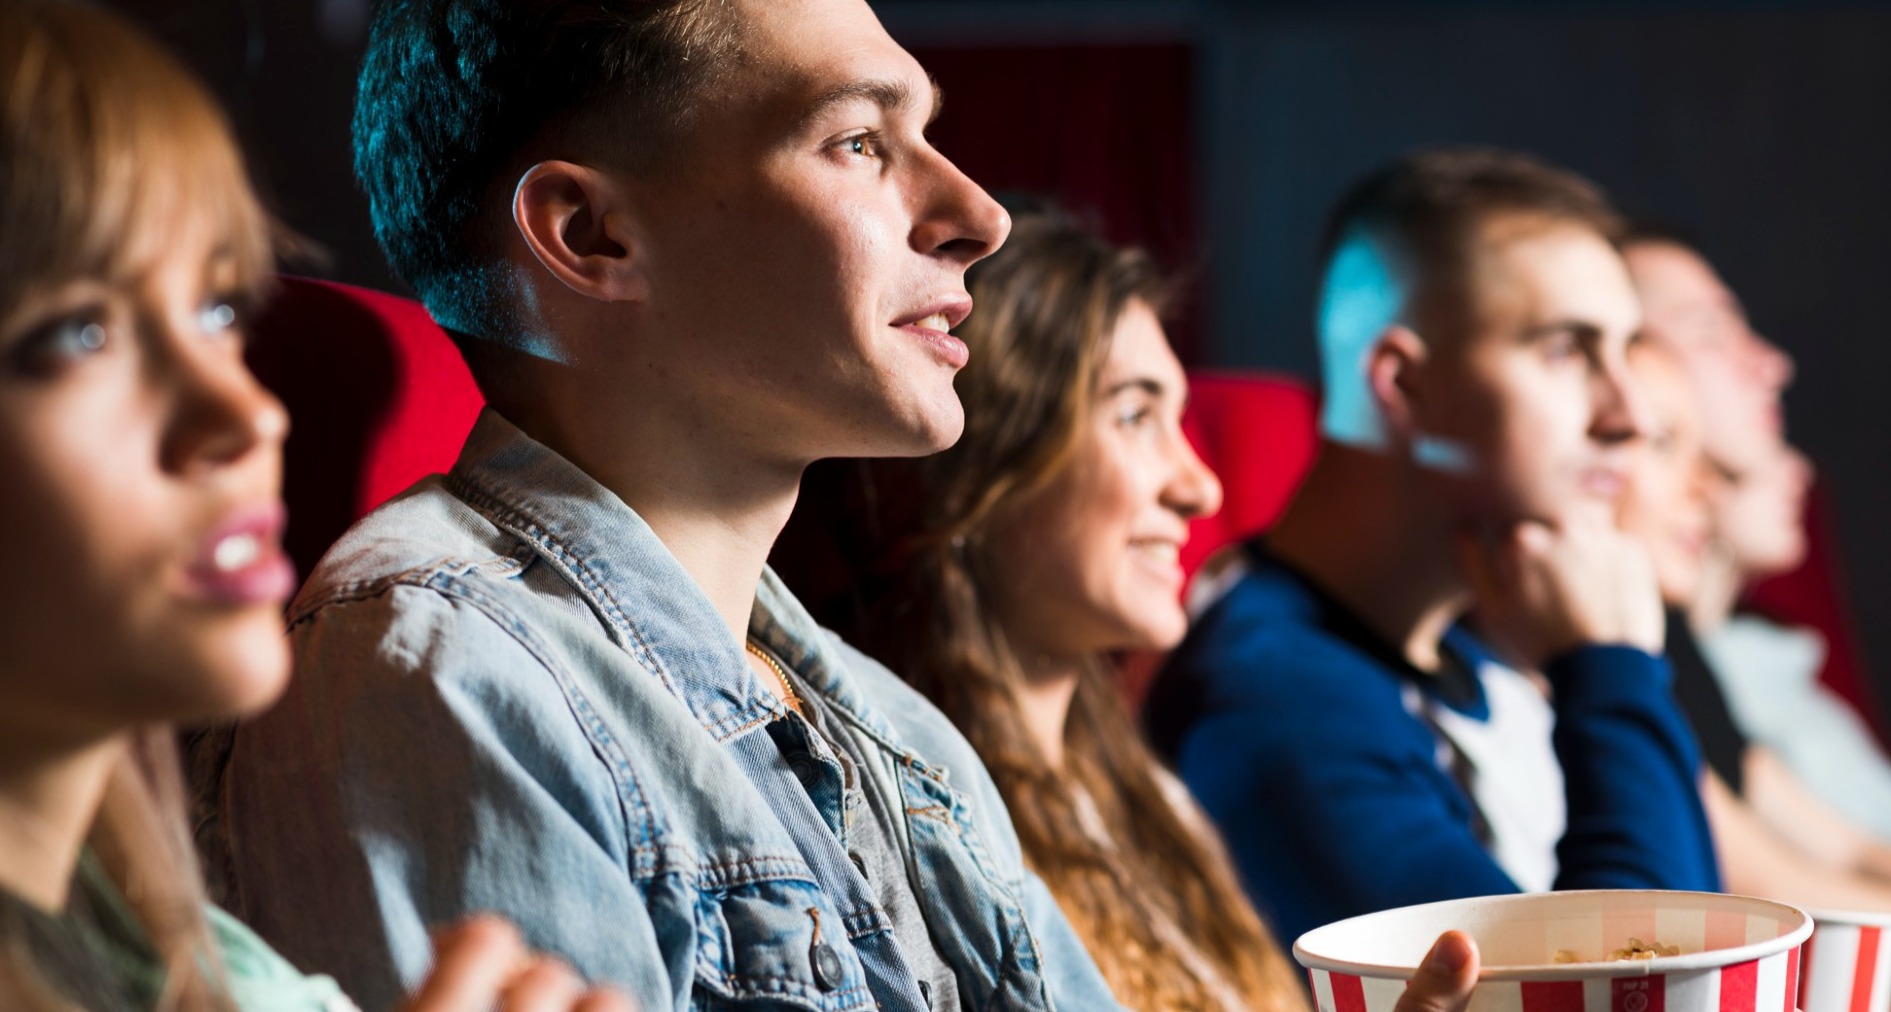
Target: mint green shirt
98,933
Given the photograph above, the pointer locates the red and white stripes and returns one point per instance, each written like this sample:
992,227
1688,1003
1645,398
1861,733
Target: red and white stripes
1770,984
1847,964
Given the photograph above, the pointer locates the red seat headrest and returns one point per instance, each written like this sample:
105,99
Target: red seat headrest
378,397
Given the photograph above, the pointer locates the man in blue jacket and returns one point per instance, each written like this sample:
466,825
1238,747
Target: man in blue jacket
1360,747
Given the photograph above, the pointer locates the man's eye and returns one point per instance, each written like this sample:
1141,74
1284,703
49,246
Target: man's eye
1560,348
862,145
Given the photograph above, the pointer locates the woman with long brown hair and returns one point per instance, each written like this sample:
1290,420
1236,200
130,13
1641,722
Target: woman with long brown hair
1006,570
140,522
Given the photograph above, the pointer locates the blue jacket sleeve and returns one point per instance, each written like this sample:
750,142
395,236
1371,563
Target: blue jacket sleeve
1333,803
1630,769
1329,793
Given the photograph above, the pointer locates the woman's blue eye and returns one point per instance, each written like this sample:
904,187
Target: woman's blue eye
73,337
217,317
60,342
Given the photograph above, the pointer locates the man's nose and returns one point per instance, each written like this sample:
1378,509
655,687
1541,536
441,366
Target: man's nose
1621,408
958,218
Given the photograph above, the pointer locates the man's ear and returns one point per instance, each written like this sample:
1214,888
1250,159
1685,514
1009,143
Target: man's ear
1393,366
578,222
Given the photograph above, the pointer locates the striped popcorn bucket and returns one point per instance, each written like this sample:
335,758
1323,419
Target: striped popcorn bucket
1846,964
1737,954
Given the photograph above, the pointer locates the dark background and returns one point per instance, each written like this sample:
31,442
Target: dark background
1217,133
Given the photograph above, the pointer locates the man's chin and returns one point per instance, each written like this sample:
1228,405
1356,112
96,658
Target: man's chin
915,437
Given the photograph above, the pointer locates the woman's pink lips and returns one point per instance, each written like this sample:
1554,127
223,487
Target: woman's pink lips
241,561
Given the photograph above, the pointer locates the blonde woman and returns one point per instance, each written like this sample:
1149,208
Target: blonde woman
140,520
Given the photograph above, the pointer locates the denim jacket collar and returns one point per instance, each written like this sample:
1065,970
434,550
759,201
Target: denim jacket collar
649,603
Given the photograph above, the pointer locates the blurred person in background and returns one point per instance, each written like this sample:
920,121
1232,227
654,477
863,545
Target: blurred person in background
1773,837
1768,671
1043,539
1359,747
141,519
1001,575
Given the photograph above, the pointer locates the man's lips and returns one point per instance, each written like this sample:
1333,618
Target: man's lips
1604,482
932,326
942,315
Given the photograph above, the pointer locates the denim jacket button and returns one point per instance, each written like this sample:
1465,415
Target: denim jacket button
829,972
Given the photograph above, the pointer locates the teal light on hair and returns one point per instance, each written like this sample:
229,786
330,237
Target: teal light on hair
1360,298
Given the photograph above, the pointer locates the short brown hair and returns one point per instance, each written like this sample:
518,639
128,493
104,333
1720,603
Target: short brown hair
455,92
1426,209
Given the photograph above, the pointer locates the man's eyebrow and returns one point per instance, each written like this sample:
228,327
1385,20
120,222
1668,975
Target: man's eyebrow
887,94
1581,329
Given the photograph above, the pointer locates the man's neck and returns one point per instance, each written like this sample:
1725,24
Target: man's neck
48,804
1361,529
1719,592
716,504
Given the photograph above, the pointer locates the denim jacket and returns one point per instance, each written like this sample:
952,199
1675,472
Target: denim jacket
511,697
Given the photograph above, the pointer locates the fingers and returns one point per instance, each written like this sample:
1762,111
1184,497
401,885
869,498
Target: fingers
1542,589
1445,978
482,963
605,999
546,985
472,961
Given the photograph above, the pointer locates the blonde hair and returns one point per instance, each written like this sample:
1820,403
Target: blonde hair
107,148
107,145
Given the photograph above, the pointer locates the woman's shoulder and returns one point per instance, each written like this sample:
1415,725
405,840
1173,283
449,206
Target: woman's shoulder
261,980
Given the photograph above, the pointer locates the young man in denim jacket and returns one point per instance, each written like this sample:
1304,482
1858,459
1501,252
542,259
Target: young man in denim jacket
688,247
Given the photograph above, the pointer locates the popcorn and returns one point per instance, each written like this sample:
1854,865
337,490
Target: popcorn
1635,949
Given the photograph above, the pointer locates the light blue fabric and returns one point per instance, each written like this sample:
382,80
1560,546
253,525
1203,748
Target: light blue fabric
1770,675
511,697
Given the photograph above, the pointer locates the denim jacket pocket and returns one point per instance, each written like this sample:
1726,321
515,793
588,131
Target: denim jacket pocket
768,942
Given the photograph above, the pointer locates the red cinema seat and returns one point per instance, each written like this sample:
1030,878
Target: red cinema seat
1259,432
378,398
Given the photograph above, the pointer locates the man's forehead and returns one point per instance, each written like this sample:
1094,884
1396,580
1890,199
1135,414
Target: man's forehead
890,94
1552,272
808,55
1679,282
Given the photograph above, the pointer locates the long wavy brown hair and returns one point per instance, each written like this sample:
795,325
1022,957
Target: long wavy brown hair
921,601
107,145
